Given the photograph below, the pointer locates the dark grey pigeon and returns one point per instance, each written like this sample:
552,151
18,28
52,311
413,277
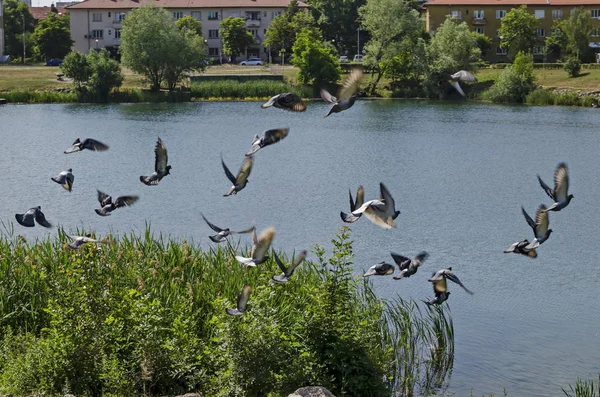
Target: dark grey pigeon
161,169
540,226
65,179
440,290
560,194
287,271
222,234
408,266
447,274
347,94
78,241
354,205
88,143
461,75
520,248
380,269
32,214
241,179
269,137
108,205
287,101
242,302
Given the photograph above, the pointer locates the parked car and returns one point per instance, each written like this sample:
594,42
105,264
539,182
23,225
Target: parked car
54,62
358,58
252,62
343,59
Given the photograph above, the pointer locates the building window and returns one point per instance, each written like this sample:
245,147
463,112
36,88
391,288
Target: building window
500,14
97,17
109,14
117,33
540,14
539,32
478,14
457,14
479,30
97,34
213,34
213,51
595,13
595,32
538,50
213,15
254,32
557,14
119,16
500,51
177,15
197,15
253,15
275,14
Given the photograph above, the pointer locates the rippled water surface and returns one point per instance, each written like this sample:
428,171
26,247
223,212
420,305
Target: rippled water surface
459,174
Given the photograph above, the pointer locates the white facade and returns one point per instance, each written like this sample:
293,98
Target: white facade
99,28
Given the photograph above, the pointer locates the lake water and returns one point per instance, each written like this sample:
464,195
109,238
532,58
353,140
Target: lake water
459,173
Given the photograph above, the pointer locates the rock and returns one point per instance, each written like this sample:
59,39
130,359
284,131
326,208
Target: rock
69,395
312,391
191,395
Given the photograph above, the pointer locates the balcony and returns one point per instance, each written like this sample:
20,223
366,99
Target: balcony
117,22
252,23
479,21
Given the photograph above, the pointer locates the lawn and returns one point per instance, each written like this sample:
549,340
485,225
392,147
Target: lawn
589,79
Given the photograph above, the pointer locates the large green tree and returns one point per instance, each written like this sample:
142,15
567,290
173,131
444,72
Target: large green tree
235,37
191,24
52,37
395,28
281,33
339,21
316,62
17,19
571,37
154,47
96,72
518,31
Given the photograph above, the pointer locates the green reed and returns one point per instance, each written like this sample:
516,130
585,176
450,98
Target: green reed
584,388
232,89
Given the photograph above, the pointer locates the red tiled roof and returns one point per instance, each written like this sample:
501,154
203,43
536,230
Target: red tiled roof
573,3
42,12
184,4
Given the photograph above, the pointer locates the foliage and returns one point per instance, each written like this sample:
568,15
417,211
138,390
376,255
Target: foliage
571,37
584,389
248,89
154,47
316,62
518,31
281,33
146,316
339,21
235,36
540,97
515,82
572,66
76,66
52,37
191,24
106,73
483,42
17,19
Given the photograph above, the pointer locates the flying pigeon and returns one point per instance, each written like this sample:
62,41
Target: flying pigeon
447,274
461,75
381,212
260,248
65,179
269,137
540,226
78,241
242,302
347,94
161,169
239,181
561,188
287,272
354,205
519,248
380,269
440,290
408,266
27,218
287,101
108,205
88,143
223,233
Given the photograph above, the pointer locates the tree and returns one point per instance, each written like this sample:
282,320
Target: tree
17,19
154,47
394,28
106,73
339,21
571,37
281,33
191,24
515,82
76,66
317,63
483,42
518,31
452,48
52,37
235,36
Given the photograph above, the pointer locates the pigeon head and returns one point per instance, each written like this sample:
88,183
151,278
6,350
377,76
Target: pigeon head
168,169
70,170
549,232
39,207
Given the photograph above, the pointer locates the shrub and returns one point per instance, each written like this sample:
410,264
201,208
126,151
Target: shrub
540,97
572,66
106,73
515,82
76,66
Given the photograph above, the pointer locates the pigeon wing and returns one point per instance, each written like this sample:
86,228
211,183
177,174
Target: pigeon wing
279,263
227,172
352,205
123,201
270,102
402,261
351,84
244,171
349,218
213,227
291,101
327,97
273,136
542,221
454,278
546,188
250,229
262,246
530,221
360,197
92,144
295,263
243,298
457,87
421,257
73,148
160,157
41,219
390,204
463,75
561,182
103,198
25,219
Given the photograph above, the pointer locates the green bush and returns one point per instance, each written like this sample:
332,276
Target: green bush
572,66
515,82
106,73
540,97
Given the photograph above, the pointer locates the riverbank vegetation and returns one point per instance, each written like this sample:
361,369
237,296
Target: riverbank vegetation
146,315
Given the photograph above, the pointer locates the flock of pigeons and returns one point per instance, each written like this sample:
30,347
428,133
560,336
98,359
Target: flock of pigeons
381,211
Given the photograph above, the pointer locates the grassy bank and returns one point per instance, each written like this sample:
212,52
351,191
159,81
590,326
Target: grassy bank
146,315
230,89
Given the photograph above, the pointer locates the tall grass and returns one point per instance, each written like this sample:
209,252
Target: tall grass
146,315
584,388
542,97
232,89
117,96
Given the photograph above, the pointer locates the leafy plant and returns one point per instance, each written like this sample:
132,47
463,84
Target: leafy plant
572,66
584,388
515,82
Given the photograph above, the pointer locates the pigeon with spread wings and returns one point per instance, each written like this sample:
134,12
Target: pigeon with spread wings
440,290
540,226
88,143
78,241
380,269
108,205
347,94
241,179
286,101
161,168
287,271
560,193
354,205
65,179
260,248
447,274
461,75
242,302
222,234
269,137
35,213
382,215
408,266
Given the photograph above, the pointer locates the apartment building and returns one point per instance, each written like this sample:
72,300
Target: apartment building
97,23
485,16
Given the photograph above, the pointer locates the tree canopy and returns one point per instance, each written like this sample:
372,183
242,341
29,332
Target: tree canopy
96,72
339,21
235,37
281,33
518,31
52,37
571,37
187,22
316,61
17,19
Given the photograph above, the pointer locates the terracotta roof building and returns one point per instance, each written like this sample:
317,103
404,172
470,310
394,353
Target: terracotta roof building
40,13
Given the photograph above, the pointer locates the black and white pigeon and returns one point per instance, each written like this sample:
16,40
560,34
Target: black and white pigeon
380,269
161,168
88,143
287,101
242,302
461,75
560,194
408,266
241,179
347,94
222,234
269,137
35,213
540,226
354,205
440,290
447,274
288,271
108,205
381,212
78,241
520,248
65,179
260,248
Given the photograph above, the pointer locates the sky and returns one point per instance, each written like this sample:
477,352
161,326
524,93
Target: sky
43,3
